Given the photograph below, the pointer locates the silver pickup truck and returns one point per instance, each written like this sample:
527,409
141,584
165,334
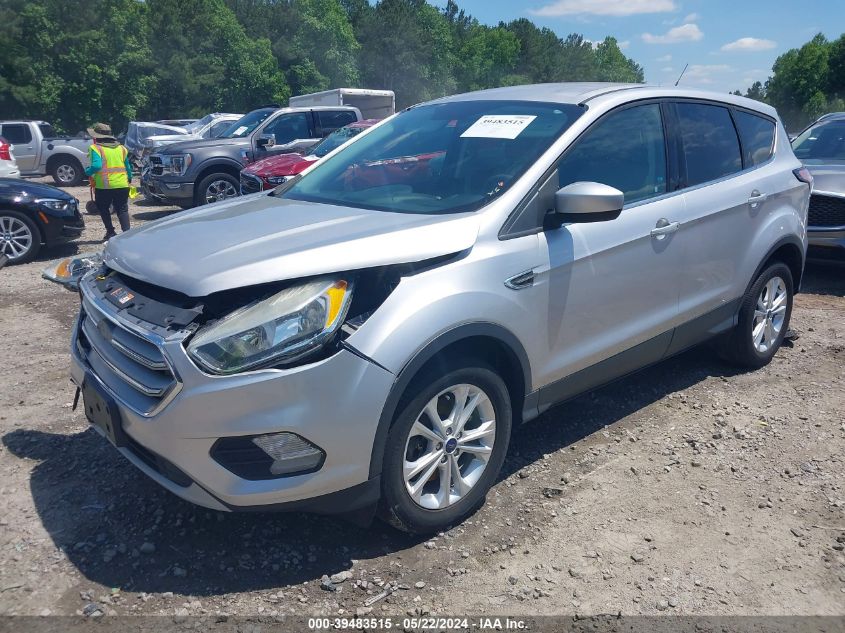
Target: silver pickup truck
39,152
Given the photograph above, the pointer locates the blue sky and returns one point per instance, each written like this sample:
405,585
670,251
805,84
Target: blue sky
728,44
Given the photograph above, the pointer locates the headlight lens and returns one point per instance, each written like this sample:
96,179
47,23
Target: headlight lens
54,204
281,328
278,180
179,163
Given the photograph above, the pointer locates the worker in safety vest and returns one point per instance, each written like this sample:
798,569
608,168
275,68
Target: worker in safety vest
111,172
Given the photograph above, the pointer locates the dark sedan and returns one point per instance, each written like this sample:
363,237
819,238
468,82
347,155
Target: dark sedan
33,215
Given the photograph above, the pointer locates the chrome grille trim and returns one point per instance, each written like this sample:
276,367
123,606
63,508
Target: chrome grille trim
129,356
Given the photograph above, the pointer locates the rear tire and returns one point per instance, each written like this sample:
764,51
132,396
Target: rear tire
764,316
20,239
66,171
436,472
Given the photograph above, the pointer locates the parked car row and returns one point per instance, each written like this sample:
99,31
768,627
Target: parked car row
449,274
199,172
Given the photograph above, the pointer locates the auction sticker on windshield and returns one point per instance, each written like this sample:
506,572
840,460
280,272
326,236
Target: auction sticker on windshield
498,126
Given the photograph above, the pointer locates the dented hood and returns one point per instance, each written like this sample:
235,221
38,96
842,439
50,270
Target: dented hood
261,238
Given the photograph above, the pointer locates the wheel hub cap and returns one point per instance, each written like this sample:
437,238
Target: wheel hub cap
16,237
769,314
448,446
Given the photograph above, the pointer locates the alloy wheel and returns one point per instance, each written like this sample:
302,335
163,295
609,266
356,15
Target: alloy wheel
448,446
219,190
66,173
769,314
15,238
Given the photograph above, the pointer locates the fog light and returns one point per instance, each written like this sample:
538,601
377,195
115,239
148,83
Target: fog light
290,452
268,456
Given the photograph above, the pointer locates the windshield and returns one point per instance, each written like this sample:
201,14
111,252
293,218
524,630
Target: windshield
824,141
439,158
335,140
247,123
196,126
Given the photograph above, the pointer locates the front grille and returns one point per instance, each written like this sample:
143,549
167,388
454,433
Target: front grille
132,367
826,211
156,165
250,184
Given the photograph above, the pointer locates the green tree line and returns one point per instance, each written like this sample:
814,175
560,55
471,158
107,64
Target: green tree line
74,62
806,82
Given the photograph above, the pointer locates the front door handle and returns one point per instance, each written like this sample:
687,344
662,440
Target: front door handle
757,197
664,227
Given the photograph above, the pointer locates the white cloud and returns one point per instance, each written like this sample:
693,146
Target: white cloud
685,33
703,73
624,44
665,58
667,69
692,17
748,44
603,7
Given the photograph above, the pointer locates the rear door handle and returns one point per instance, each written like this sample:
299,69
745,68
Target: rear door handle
757,197
664,227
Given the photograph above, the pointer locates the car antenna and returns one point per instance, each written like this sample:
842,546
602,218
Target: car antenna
681,75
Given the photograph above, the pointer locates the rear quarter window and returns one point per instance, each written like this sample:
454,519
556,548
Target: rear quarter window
711,146
758,137
16,133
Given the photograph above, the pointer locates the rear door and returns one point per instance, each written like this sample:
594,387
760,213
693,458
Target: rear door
613,286
25,149
330,120
726,196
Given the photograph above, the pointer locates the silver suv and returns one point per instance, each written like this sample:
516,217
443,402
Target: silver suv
822,149
369,334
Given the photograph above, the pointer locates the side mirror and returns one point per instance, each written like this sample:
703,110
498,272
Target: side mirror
588,202
266,140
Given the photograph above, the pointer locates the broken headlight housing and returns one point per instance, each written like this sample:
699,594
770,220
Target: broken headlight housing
279,329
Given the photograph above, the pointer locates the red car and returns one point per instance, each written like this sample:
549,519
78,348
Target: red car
273,171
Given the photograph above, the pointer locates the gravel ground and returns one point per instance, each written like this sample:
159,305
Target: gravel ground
688,488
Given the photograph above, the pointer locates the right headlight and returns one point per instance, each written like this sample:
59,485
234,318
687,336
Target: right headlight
285,327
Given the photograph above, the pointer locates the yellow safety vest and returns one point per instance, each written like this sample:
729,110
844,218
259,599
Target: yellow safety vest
113,173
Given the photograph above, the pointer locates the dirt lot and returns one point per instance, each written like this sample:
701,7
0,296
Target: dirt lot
688,488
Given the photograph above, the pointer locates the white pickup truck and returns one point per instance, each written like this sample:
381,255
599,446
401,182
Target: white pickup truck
39,152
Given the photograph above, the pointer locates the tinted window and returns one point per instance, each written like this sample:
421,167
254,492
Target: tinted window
289,127
758,137
711,147
17,133
625,150
46,130
438,158
331,120
825,141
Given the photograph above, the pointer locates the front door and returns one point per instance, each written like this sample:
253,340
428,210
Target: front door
613,286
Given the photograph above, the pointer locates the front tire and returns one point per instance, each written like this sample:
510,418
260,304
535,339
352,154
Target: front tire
66,171
216,187
763,319
20,239
445,449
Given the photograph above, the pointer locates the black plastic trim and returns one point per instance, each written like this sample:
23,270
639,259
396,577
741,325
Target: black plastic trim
360,496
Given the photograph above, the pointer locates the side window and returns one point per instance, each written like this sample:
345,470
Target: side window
331,120
711,146
758,137
289,127
825,141
17,133
625,150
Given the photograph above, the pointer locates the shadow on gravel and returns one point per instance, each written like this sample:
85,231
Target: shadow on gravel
589,413
100,510
824,278
148,216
